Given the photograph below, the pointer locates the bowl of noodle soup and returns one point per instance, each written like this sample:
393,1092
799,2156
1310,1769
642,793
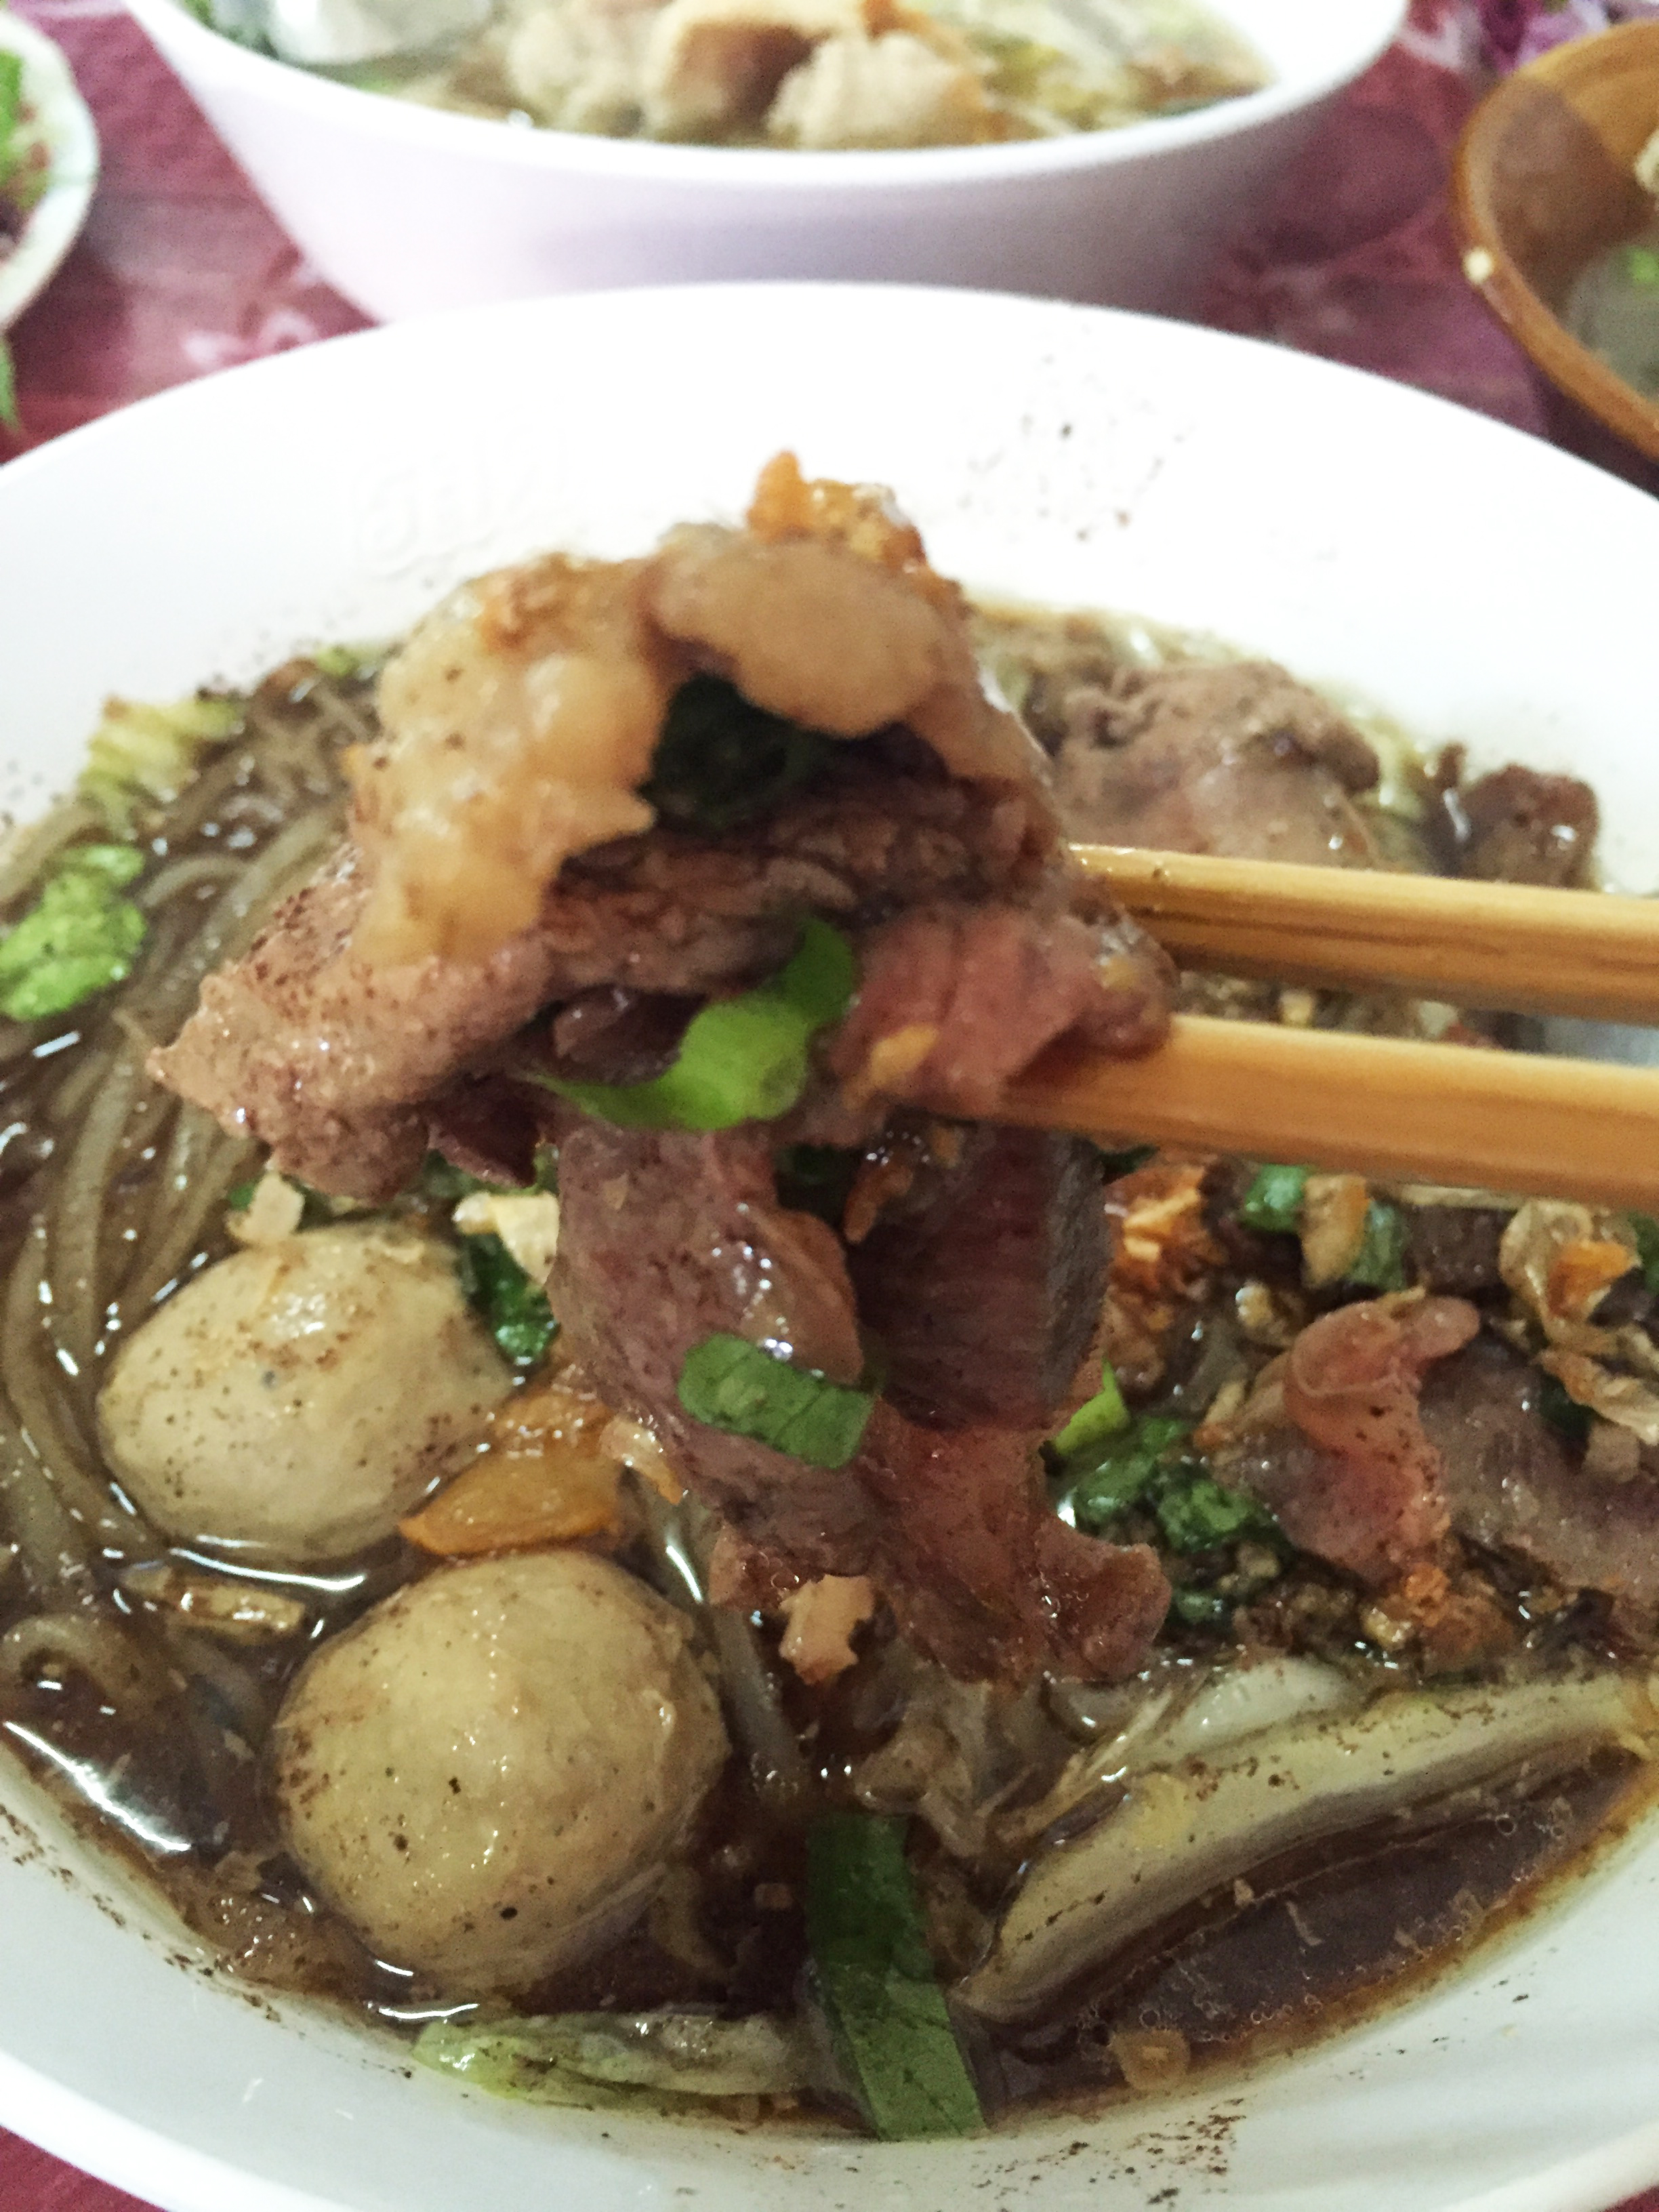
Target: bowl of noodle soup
1093,461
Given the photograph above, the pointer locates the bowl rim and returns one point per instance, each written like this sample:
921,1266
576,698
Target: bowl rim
173,25
56,220
1493,270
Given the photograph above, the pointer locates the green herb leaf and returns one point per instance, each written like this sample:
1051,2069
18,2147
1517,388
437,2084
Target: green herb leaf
1563,1412
1098,1418
78,937
1196,1514
514,1309
1274,1200
1646,1232
875,1977
720,761
742,1059
1380,1264
1121,1476
726,1382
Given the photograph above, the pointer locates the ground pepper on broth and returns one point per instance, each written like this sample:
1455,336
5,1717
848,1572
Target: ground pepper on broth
145,1666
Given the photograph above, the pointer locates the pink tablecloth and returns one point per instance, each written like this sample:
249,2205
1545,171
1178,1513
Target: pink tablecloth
182,271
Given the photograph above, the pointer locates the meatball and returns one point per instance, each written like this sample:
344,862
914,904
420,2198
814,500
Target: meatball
487,1774
300,1397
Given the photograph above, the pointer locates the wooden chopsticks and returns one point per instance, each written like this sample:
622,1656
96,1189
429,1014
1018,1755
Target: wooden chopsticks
1468,944
1381,1107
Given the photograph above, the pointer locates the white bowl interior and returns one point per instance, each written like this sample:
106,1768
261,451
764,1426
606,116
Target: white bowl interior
55,221
1372,539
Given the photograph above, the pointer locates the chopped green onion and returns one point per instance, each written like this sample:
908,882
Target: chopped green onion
78,937
10,417
342,662
1646,1232
1103,1415
1274,1200
720,760
1123,1474
875,1978
1201,1609
1125,1163
1642,267
1380,1264
1563,1412
726,1382
742,1059
514,1309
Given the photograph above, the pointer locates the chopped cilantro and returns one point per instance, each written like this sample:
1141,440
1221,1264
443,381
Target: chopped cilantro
1563,1412
514,1309
1103,1415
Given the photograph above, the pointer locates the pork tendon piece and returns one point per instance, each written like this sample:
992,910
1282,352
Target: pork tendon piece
520,720
1357,1480
667,1239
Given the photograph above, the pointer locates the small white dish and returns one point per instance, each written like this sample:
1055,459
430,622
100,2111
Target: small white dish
405,208
1375,540
56,220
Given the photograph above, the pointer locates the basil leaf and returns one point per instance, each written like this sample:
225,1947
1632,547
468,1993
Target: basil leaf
726,1382
514,1309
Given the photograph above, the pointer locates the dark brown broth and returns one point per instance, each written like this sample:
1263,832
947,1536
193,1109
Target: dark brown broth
177,1788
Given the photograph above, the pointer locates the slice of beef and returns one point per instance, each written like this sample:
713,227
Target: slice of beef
1237,759
1523,828
955,1001
667,1238
1514,1484
614,1035
983,1283
329,1061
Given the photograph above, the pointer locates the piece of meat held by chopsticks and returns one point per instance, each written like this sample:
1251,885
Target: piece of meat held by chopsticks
721,873
695,866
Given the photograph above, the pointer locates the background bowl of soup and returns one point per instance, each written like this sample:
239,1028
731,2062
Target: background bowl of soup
1547,201
1376,541
404,208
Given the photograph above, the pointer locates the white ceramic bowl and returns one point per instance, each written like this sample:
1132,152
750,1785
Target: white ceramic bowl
404,208
55,220
1373,538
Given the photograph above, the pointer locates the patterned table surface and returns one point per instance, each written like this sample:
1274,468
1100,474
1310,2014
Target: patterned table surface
181,271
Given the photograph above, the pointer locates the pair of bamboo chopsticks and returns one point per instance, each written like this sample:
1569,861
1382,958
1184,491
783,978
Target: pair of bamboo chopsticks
1380,1106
